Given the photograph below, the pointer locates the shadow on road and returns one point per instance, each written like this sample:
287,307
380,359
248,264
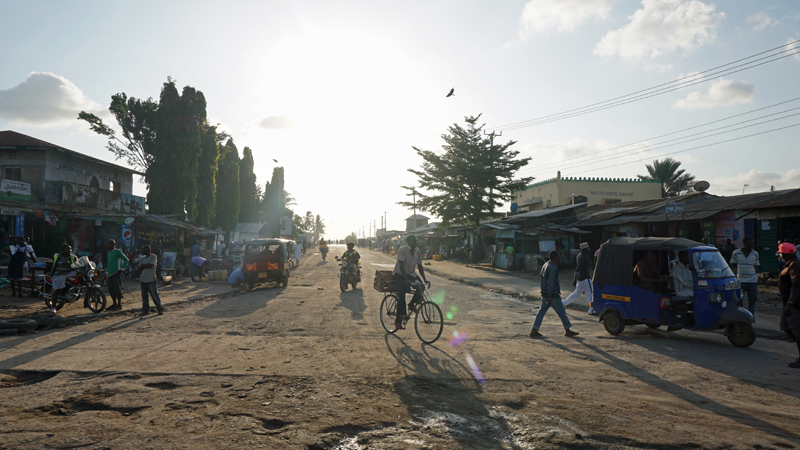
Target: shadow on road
354,301
699,401
240,305
439,389
25,358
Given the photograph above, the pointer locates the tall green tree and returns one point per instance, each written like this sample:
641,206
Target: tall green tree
275,201
319,227
248,191
469,179
674,181
207,169
228,210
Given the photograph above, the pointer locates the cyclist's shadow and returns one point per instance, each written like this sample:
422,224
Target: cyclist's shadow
438,386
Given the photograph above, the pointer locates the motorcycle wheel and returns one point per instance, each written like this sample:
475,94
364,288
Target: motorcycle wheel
343,283
96,301
354,283
54,305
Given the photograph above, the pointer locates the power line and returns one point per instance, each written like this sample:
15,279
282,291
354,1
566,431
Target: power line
698,147
658,147
595,154
621,100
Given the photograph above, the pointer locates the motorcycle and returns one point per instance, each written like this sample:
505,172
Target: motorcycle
350,273
324,252
81,285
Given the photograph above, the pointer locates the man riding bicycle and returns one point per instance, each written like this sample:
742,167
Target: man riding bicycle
351,256
409,258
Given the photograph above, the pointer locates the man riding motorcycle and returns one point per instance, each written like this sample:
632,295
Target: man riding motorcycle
351,256
323,248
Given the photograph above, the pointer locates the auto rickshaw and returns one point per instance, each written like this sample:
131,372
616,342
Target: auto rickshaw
712,303
265,260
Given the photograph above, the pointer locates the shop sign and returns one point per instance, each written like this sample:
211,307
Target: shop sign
9,212
38,213
675,208
126,236
15,190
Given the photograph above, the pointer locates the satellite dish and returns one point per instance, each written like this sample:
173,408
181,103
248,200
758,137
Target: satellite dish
702,186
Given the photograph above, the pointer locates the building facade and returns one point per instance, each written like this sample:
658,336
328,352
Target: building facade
593,191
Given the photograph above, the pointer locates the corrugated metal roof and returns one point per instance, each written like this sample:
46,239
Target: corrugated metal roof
249,227
545,212
781,199
417,217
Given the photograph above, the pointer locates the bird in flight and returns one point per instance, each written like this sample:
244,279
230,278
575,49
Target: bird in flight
275,160
450,94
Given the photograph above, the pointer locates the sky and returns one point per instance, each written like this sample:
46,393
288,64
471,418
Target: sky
338,92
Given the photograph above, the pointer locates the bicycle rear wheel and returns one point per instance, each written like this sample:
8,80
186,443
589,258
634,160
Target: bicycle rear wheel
388,312
428,322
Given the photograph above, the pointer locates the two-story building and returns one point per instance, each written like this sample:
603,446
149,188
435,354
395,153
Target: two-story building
43,183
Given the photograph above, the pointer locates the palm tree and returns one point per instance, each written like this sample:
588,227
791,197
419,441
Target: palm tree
673,181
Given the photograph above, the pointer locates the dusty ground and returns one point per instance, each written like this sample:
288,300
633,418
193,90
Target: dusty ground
308,367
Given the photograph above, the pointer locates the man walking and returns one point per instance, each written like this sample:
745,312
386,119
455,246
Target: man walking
148,281
583,276
298,250
510,257
116,261
196,251
551,297
744,262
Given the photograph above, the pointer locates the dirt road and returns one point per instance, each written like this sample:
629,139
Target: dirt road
309,367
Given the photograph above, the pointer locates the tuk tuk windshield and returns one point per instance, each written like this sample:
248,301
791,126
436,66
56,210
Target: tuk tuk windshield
711,264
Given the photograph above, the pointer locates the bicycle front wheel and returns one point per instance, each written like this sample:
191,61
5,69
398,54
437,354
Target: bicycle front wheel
428,322
388,312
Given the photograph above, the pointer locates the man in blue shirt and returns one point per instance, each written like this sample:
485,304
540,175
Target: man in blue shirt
236,278
195,251
551,297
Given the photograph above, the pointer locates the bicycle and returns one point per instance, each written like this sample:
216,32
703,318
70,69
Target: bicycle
428,319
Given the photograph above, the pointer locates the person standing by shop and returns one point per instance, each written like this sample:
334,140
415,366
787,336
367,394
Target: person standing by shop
583,276
21,253
551,297
148,281
62,268
196,252
789,287
116,262
744,262
510,257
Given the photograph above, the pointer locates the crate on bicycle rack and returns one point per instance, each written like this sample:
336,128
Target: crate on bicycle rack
384,281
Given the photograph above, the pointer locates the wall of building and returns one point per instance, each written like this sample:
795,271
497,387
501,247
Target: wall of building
559,191
32,163
63,167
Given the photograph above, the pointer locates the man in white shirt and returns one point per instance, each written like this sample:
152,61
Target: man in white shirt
148,280
682,276
744,262
409,258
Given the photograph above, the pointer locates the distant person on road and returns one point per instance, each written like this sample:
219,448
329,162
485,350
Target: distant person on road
705,241
148,281
196,252
199,264
582,280
510,257
789,287
409,259
551,297
727,251
116,262
351,256
298,250
20,254
744,263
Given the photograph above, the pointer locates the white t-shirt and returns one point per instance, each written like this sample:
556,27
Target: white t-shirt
409,260
746,266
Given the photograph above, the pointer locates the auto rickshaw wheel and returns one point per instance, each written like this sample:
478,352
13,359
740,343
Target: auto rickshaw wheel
285,281
741,334
653,326
613,323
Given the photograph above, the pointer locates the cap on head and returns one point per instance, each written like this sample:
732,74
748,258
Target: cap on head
787,248
585,245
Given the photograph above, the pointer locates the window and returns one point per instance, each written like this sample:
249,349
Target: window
12,173
94,183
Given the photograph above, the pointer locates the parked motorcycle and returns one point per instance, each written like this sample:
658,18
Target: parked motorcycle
81,285
348,274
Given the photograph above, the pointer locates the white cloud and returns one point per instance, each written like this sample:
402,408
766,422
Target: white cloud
44,99
721,93
762,20
662,26
757,181
573,148
539,16
791,44
282,122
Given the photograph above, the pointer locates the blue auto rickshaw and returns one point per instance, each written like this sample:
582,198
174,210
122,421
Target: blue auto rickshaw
620,298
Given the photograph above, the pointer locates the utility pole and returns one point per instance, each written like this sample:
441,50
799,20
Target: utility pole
491,145
414,193
385,222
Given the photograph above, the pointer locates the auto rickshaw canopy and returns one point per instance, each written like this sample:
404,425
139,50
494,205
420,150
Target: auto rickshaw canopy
615,264
281,243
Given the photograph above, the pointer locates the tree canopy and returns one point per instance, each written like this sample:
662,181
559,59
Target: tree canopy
673,181
470,178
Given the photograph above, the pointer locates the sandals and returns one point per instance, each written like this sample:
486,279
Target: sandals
795,364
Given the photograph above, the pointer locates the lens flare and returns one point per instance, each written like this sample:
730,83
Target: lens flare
449,316
457,339
475,370
438,297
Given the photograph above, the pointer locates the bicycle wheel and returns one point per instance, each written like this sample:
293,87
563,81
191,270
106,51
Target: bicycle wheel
428,322
388,312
